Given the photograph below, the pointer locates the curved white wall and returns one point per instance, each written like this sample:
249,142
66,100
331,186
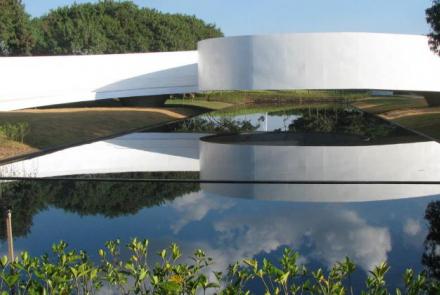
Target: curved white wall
319,61
38,81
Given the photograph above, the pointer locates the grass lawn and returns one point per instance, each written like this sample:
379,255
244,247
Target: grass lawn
210,105
278,96
9,148
50,128
380,105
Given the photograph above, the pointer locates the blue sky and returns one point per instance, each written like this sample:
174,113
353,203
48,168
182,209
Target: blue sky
242,17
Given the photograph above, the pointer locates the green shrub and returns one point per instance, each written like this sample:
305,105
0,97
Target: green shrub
67,272
116,27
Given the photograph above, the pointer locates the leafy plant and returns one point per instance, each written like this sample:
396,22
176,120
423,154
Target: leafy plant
132,270
67,272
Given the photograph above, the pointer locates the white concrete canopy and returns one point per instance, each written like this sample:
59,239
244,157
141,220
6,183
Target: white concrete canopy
280,61
40,81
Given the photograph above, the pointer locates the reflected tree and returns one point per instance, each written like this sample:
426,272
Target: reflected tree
109,199
431,255
344,120
211,124
15,196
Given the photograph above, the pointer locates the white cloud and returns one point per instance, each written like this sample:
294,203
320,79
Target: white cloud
194,207
412,227
331,234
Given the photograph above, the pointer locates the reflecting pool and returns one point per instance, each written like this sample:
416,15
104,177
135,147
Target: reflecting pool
326,180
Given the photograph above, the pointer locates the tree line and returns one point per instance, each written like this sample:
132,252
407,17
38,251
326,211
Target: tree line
111,26
98,28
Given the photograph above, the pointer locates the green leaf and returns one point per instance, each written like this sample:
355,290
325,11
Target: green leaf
4,261
175,250
74,272
284,278
11,280
170,286
143,274
155,280
251,262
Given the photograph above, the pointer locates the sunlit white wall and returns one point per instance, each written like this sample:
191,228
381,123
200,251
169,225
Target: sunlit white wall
319,61
37,81
278,61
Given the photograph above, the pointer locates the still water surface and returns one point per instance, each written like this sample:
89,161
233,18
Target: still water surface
232,226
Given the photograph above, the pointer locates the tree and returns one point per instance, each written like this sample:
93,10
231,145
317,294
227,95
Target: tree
116,27
15,30
433,18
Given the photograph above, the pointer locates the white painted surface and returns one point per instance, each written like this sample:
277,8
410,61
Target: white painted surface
278,61
136,152
37,81
319,61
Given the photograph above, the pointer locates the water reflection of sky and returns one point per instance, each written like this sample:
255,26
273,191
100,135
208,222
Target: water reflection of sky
231,229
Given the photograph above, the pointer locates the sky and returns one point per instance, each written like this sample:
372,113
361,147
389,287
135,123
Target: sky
245,17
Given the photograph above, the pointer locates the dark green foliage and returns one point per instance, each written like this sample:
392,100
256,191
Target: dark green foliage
116,27
433,18
98,28
15,30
